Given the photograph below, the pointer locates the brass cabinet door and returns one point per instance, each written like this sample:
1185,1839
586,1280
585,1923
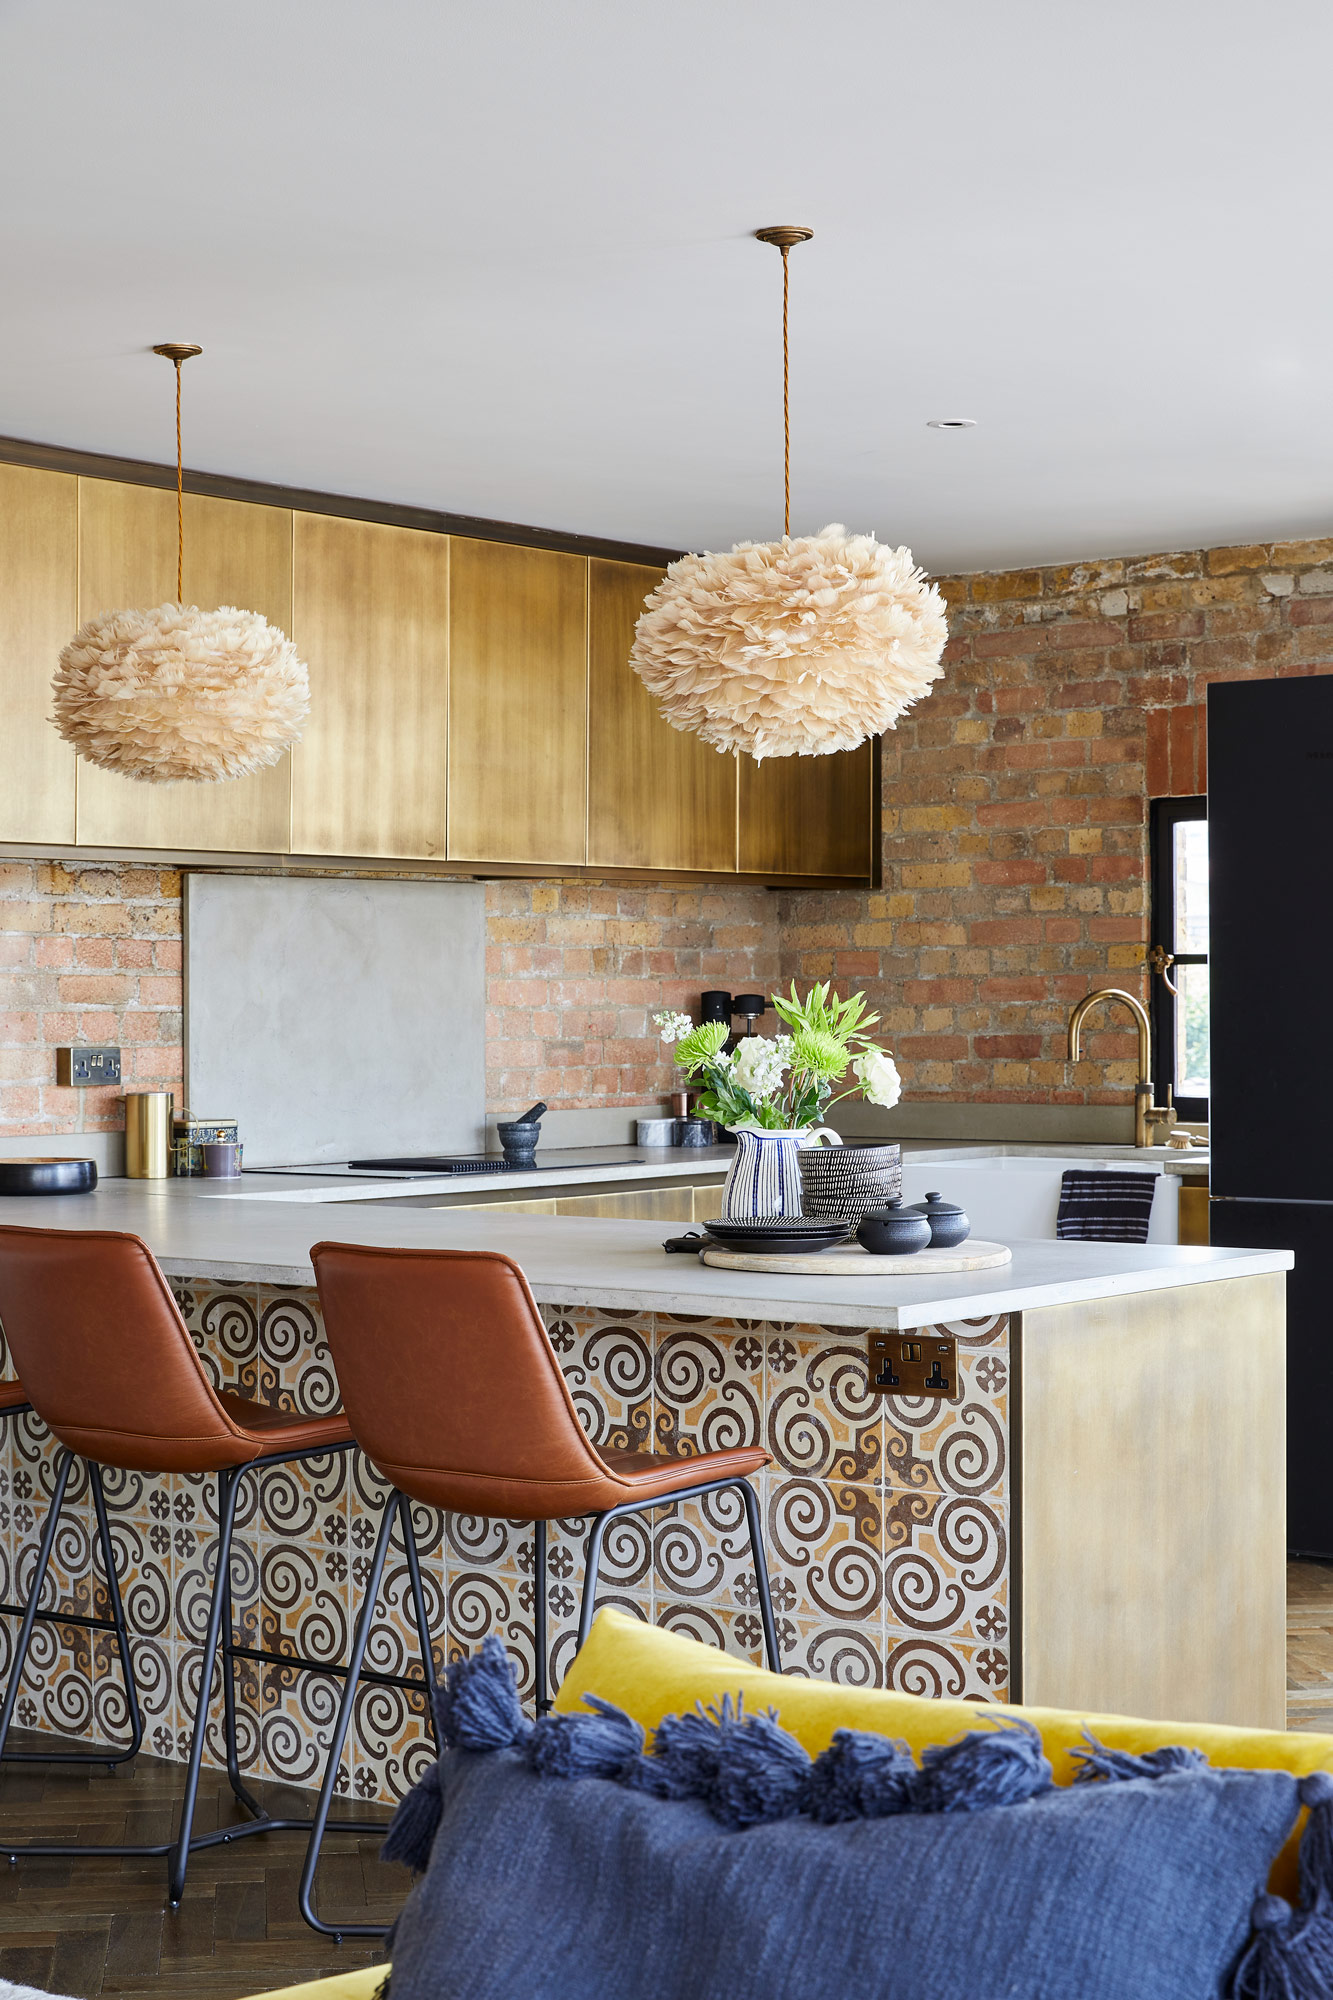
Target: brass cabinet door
235,554
38,615
370,618
809,815
658,797
518,691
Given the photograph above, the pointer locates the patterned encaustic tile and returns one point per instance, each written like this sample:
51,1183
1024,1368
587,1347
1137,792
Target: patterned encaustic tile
886,1524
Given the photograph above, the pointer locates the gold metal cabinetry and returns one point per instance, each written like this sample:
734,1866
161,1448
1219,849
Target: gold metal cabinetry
370,617
657,798
234,554
808,815
38,614
518,693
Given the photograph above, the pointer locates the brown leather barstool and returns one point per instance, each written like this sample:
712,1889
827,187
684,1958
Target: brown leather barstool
108,1364
453,1390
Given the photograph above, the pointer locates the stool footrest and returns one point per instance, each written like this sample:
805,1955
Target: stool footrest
304,1665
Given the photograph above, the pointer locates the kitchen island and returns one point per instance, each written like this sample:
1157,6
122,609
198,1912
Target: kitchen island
1095,1520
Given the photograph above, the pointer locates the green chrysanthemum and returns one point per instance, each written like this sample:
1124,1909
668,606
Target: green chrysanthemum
815,1052
702,1045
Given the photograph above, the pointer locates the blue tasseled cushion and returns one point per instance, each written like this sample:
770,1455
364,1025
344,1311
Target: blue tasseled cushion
725,1865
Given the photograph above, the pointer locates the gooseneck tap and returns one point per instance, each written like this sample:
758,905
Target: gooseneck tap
1146,1113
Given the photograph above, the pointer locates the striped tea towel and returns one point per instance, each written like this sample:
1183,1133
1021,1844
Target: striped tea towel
1105,1207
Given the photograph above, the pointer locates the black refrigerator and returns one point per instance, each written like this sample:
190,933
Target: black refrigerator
1270,852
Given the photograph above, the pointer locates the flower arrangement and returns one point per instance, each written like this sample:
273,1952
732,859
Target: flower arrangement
785,1083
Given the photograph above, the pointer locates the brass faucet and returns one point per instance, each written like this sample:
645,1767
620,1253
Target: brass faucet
1146,1113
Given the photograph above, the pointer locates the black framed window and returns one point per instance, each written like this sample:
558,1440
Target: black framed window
1179,955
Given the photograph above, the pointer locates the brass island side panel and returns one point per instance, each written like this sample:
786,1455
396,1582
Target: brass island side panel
234,554
371,621
1151,1497
658,797
518,698
38,615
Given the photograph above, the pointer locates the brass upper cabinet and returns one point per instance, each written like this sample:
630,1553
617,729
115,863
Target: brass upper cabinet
38,615
809,815
518,697
370,618
235,553
657,797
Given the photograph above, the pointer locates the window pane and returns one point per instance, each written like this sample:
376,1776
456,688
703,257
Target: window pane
1191,876
1192,1063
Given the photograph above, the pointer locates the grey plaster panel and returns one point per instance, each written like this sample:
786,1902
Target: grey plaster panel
335,1019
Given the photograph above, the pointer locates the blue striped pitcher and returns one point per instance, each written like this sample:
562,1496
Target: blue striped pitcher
764,1178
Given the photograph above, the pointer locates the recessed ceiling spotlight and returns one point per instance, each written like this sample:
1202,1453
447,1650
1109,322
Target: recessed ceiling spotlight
951,423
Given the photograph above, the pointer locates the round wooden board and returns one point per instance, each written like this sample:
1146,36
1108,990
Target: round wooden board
854,1262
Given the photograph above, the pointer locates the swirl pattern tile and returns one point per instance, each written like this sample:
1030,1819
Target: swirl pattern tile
886,1518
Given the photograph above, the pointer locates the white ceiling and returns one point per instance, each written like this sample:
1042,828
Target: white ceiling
494,257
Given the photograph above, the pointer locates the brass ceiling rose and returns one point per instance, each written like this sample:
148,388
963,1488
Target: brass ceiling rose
800,647
176,693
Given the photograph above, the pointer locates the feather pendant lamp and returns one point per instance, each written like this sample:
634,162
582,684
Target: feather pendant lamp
177,694
794,648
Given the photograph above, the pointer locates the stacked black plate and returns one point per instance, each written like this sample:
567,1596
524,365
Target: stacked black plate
778,1235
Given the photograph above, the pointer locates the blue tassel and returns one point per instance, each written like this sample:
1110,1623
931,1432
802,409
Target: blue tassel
1111,1766
412,1828
859,1776
761,1774
477,1705
987,1767
1289,1957
584,1746
684,1758
1316,1793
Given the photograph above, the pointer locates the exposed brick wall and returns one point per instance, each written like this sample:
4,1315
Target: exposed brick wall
87,954
1015,806
576,969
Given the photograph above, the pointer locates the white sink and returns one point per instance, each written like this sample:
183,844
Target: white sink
1017,1195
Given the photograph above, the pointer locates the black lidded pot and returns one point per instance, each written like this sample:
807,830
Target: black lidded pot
893,1231
949,1225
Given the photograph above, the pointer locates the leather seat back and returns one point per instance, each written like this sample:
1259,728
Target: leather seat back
451,1385
104,1355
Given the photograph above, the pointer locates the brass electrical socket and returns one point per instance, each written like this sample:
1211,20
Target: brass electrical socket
920,1362
81,1068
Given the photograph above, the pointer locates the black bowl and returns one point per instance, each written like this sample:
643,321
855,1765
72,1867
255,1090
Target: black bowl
47,1176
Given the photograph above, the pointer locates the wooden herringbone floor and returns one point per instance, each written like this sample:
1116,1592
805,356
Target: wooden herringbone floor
87,1927
93,1927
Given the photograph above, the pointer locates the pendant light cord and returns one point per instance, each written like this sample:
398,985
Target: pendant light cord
180,493
786,403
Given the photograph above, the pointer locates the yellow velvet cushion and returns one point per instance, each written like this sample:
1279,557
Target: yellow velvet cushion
360,1985
650,1673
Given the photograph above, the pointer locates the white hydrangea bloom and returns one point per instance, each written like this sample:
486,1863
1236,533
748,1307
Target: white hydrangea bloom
878,1077
758,1065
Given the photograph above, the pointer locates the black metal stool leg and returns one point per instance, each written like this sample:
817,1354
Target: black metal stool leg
305,1895
117,1619
419,1607
240,1790
751,1499
24,1639
592,1563
228,1488
541,1700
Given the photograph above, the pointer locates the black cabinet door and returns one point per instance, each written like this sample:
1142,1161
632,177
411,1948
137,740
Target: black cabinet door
1270,849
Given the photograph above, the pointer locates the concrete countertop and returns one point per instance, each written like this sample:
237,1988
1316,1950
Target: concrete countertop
198,1229
628,1165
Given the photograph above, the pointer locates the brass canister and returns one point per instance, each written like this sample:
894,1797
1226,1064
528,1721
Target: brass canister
148,1134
